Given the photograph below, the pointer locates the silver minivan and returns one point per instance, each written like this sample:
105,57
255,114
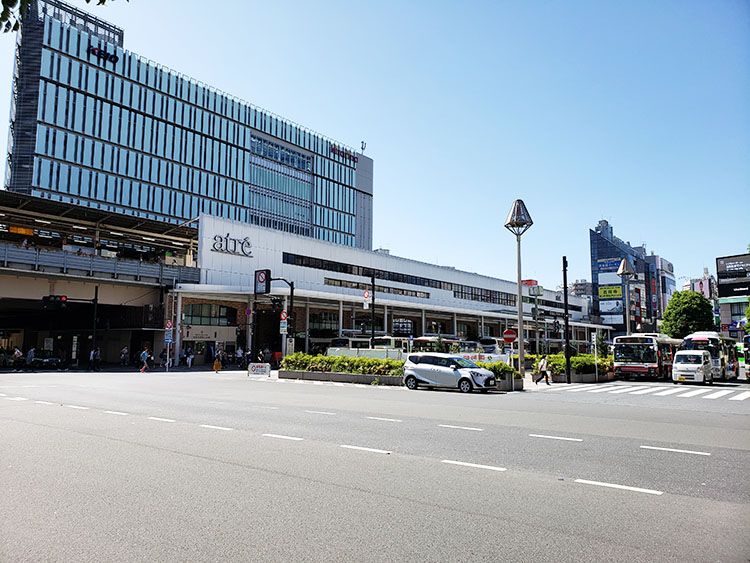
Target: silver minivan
692,365
432,369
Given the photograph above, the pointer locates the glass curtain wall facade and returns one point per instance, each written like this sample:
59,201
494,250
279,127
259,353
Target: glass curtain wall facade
95,125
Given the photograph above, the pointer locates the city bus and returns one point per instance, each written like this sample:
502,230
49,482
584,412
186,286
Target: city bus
723,350
645,355
395,342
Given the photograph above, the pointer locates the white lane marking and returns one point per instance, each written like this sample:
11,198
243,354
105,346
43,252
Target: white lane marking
215,427
623,487
118,413
282,437
669,392
582,387
629,389
384,419
695,392
475,465
556,437
77,407
16,398
674,450
322,412
604,388
269,408
43,403
3,395
360,448
649,390
740,397
338,384
319,383
461,427
719,394
160,419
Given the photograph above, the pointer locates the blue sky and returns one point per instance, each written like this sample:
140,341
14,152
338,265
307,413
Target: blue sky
636,112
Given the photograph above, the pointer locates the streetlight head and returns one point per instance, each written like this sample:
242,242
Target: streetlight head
519,219
625,270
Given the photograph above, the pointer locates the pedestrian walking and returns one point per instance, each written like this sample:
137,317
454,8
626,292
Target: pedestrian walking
30,355
190,357
217,363
92,353
124,355
97,359
145,355
543,368
17,359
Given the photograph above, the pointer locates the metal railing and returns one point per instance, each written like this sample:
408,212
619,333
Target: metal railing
63,262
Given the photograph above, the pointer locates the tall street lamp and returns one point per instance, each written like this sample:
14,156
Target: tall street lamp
518,222
625,271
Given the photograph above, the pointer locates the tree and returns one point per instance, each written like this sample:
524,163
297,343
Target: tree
14,10
688,311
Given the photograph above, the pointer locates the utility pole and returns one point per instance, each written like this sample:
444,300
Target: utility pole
95,301
372,312
566,321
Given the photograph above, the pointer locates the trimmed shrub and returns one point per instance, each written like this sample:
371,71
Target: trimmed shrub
501,370
342,364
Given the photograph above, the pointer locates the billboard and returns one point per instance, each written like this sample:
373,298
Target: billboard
613,319
611,306
702,286
610,292
608,264
609,278
733,275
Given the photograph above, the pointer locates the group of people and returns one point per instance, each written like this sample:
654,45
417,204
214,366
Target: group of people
15,358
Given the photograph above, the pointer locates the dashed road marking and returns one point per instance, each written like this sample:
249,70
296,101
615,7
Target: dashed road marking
282,437
363,449
674,450
77,407
623,487
215,427
16,398
160,419
118,413
322,412
556,438
461,427
44,403
474,465
384,419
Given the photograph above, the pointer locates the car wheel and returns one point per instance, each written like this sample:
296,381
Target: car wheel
464,386
411,382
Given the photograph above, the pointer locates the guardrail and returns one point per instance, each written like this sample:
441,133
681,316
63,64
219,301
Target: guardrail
62,262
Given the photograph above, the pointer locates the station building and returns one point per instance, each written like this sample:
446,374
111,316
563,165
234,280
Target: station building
148,198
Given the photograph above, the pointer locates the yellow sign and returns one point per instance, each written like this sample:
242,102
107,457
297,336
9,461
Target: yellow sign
610,292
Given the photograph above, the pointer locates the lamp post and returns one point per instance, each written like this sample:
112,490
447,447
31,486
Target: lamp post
625,271
518,222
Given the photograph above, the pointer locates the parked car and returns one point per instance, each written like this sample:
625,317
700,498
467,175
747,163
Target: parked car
692,365
432,369
45,359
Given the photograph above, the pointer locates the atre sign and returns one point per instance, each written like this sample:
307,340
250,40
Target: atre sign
230,245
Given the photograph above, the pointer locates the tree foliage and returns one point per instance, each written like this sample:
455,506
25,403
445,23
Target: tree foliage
14,10
688,311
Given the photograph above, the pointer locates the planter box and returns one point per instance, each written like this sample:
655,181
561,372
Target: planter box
504,384
341,377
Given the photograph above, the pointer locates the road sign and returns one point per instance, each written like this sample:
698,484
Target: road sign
168,325
168,336
283,315
258,369
366,294
509,336
262,282
283,327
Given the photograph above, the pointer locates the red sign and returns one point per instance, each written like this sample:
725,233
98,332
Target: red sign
529,283
509,335
168,325
283,315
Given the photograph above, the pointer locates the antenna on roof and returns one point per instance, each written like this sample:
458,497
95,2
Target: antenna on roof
364,146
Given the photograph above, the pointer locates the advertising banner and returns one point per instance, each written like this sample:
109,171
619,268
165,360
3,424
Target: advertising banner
610,292
611,306
608,264
613,319
609,278
733,273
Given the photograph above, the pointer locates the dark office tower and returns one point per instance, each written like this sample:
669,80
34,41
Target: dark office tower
95,125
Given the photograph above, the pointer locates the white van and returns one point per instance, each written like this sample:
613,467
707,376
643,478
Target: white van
692,365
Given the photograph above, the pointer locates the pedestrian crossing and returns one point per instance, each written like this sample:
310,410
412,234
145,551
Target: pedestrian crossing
681,392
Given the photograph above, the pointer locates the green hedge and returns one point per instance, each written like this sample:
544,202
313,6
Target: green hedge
342,364
371,366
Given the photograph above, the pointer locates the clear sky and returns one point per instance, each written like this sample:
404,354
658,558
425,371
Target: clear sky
636,112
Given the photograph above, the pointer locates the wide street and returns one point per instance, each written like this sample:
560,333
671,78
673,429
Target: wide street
199,466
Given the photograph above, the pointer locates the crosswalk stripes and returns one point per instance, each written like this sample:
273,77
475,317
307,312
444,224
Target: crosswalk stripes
655,391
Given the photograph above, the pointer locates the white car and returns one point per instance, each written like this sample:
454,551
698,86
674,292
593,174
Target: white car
692,365
432,369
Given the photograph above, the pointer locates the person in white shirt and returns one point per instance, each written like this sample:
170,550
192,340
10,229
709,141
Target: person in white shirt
543,368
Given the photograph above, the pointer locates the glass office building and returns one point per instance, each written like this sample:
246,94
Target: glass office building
95,125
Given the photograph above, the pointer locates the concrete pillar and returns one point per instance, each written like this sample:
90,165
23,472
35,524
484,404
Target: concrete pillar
341,318
424,322
385,319
455,324
307,327
178,330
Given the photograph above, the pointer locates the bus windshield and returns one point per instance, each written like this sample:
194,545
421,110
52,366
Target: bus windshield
712,345
641,353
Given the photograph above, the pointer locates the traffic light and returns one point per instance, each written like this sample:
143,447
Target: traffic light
556,326
54,302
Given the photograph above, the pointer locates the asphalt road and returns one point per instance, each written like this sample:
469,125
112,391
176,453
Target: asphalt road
176,467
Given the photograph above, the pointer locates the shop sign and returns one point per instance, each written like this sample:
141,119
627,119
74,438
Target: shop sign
230,245
103,55
610,292
259,369
345,154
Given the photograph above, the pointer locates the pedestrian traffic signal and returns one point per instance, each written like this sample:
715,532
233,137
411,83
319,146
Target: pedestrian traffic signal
54,302
556,326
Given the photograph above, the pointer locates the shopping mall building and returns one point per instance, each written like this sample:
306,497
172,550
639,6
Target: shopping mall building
168,194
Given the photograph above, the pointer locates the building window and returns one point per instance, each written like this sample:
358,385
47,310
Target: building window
210,314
